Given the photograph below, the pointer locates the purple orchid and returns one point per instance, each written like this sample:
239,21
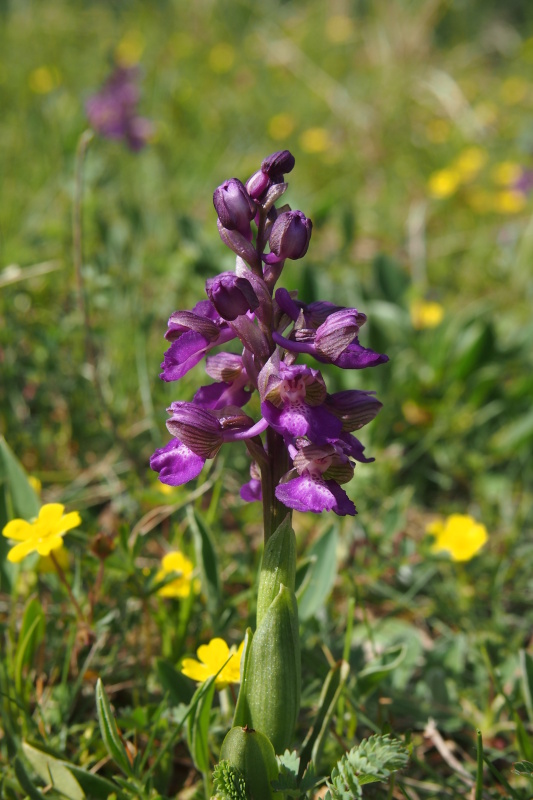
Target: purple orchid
300,421
112,111
316,487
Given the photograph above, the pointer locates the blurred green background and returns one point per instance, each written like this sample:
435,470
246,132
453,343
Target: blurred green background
410,122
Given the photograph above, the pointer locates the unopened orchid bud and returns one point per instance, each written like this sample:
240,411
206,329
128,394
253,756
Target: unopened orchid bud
234,206
257,184
278,164
289,237
231,295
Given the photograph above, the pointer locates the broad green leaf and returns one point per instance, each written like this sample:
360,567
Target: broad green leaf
53,771
109,731
206,560
318,582
24,500
26,783
94,785
30,636
198,724
390,279
179,688
526,676
17,499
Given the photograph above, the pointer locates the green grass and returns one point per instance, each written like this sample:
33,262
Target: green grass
398,91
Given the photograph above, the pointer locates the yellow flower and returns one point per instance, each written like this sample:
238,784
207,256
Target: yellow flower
514,89
415,414
129,50
506,173
43,80
425,314
460,535
443,183
178,564
469,162
339,29
43,534
221,57
509,201
35,484
212,656
315,140
280,126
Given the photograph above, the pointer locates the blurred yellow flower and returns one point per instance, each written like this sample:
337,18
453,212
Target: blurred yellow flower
469,162
44,79
212,656
443,183
506,173
129,50
35,484
514,89
221,57
43,534
415,414
509,202
438,130
315,140
460,535
425,314
339,29
280,126
177,563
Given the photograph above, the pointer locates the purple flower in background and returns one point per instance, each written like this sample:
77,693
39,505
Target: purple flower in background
112,111
524,182
270,329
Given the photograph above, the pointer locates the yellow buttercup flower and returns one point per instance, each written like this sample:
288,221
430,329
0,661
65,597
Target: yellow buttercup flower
43,534
35,484
221,57
469,162
444,183
460,535
211,658
177,563
425,314
506,173
509,201
315,140
129,50
280,126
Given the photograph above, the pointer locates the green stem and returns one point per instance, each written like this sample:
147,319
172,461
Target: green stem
66,584
272,471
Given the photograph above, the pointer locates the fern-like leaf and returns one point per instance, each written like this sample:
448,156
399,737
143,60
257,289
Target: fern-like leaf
228,782
375,759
